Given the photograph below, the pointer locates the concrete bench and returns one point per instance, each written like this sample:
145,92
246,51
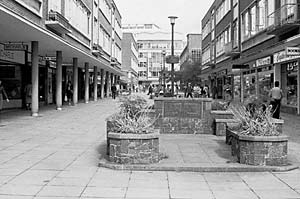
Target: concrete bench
221,125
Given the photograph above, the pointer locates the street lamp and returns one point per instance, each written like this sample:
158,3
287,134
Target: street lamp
163,72
172,21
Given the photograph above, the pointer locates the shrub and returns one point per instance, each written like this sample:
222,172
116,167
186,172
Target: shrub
255,121
219,106
133,116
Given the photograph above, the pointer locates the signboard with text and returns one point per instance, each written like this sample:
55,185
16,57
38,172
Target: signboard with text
12,56
15,47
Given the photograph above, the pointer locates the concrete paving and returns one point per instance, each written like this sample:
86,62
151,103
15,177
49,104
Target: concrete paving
56,156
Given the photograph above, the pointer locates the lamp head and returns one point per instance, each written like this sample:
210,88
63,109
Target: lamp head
172,19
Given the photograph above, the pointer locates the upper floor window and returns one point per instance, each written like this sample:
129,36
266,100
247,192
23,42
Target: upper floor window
221,40
206,55
105,8
78,15
206,29
222,10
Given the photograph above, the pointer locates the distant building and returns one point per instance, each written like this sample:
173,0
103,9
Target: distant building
192,52
129,61
152,41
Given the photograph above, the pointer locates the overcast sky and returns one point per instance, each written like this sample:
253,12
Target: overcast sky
189,13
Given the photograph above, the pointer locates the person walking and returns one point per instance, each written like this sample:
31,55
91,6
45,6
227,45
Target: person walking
150,90
189,91
2,95
114,91
69,92
28,93
276,96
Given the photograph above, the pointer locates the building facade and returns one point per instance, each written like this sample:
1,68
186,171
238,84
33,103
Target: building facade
52,42
129,62
192,52
153,45
261,46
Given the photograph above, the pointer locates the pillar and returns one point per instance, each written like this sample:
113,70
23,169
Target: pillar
242,87
86,82
298,88
35,78
102,83
75,81
107,82
95,83
277,74
256,83
58,80
116,79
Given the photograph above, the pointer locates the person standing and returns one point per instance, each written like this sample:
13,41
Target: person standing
189,91
150,90
28,93
276,96
2,95
69,92
113,91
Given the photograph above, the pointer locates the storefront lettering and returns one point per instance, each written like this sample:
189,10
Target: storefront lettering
292,51
263,61
6,55
293,66
282,56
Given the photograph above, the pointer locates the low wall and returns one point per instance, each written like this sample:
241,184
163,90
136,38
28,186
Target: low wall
184,116
133,148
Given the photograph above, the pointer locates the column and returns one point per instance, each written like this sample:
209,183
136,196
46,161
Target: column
95,83
107,82
298,88
116,79
256,83
102,83
35,78
242,87
75,81
277,74
58,80
86,82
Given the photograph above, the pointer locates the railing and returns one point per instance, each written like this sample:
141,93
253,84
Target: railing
287,14
55,16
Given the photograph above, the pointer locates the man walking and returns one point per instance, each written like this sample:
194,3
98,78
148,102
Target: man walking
113,91
276,96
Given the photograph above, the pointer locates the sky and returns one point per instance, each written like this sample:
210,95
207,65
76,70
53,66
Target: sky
189,13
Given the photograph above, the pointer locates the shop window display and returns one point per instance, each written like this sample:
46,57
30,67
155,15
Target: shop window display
292,89
265,84
249,85
237,88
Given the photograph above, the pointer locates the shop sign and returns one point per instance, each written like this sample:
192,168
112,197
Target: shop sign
292,51
12,56
282,56
15,47
263,61
292,66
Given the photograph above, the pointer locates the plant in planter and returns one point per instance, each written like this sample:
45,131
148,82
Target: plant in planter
131,137
257,140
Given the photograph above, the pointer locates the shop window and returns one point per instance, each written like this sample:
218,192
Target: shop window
291,88
265,84
249,85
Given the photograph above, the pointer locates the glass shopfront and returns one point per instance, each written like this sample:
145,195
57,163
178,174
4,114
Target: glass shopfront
237,88
249,84
290,74
265,82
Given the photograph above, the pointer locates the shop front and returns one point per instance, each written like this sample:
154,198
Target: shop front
11,65
287,64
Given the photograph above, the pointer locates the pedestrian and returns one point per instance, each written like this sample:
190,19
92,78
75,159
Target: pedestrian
176,90
28,95
275,100
2,95
206,90
189,91
150,90
69,92
114,91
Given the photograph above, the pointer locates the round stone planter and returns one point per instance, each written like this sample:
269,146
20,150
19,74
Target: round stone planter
260,150
133,148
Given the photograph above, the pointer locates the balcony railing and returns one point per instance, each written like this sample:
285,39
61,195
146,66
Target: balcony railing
283,18
57,22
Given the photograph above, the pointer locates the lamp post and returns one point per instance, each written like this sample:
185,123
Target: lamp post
172,21
163,73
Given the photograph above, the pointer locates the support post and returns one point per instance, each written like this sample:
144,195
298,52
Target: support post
59,80
35,79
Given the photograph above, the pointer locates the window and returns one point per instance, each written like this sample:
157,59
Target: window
206,29
235,34
78,15
235,12
261,15
245,25
270,10
105,8
104,40
206,55
221,40
222,10
253,20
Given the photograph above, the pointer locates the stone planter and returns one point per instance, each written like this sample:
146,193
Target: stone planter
259,150
133,148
